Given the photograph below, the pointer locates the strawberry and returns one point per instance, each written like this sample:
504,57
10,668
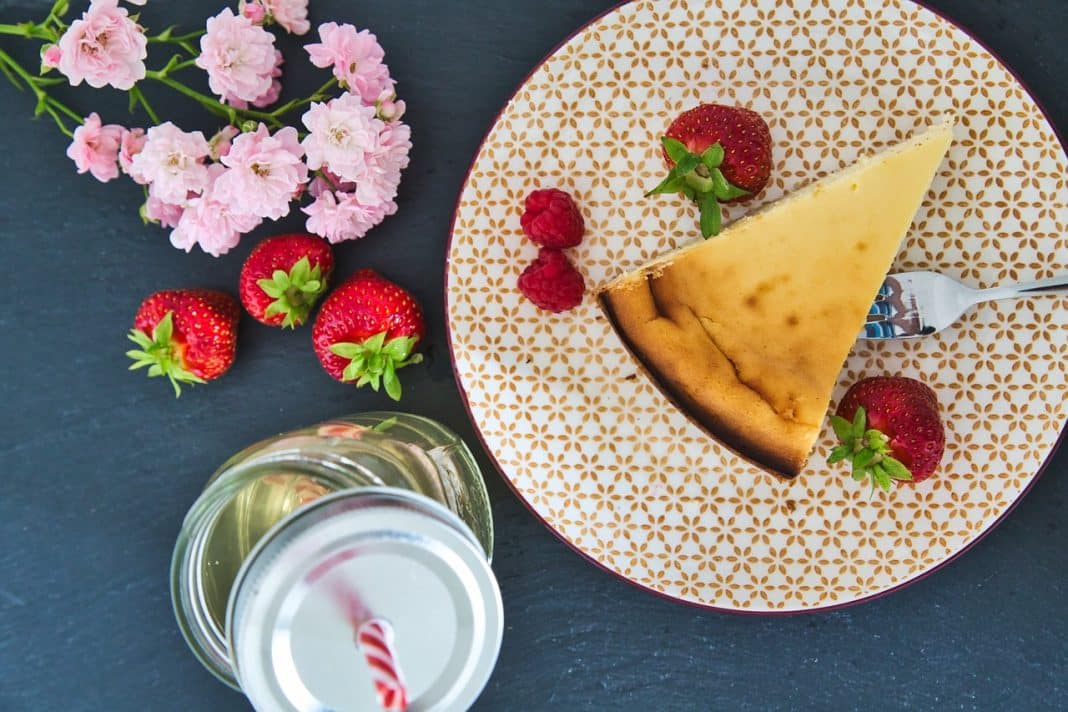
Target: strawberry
187,335
889,429
367,329
283,277
718,154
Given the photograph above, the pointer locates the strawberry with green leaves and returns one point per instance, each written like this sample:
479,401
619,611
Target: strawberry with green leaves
718,154
283,277
368,329
187,335
889,430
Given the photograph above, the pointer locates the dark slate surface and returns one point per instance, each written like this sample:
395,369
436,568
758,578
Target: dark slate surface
100,465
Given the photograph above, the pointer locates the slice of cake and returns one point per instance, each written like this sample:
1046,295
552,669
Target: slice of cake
747,331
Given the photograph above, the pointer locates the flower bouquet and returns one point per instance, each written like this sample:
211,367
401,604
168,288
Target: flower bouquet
341,165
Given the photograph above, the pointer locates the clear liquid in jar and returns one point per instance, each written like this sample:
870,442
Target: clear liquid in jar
260,505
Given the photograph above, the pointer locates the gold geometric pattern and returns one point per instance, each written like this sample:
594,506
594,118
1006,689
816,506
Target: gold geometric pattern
600,454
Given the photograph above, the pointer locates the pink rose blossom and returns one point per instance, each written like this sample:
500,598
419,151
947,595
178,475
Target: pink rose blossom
328,181
133,141
382,168
104,47
254,11
172,160
356,58
95,148
161,212
270,96
222,141
342,132
238,56
389,108
291,15
211,222
265,172
50,55
339,216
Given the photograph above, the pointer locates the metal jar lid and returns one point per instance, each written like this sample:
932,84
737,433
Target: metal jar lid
381,552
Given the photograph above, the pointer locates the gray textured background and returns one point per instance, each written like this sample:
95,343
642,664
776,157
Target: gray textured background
101,465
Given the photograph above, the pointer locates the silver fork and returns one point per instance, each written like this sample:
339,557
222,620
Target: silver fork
914,304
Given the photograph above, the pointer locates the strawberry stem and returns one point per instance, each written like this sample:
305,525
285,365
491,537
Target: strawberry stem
699,178
161,354
868,452
295,292
375,361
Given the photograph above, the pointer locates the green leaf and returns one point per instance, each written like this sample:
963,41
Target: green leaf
863,458
896,469
713,156
860,418
859,475
881,478
376,342
671,184
688,190
687,164
675,149
346,350
711,218
842,428
140,338
400,348
719,184
699,182
280,277
164,329
311,286
734,191
270,288
838,454
391,382
300,272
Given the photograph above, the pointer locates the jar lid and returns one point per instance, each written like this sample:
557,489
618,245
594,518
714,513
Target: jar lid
382,555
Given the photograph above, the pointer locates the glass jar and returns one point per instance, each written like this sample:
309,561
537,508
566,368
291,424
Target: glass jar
258,491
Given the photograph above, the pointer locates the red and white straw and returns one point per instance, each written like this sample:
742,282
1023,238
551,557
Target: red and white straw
375,640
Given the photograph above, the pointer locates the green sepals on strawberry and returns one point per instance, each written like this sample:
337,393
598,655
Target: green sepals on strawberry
700,179
375,361
868,450
718,154
159,353
294,292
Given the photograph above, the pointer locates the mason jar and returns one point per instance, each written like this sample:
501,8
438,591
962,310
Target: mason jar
299,540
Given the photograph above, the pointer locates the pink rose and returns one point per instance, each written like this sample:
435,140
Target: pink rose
270,96
254,11
388,106
172,160
292,15
133,141
340,216
222,141
238,56
95,148
160,212
341,134
104,47
356,58
50,55
211,222
265,172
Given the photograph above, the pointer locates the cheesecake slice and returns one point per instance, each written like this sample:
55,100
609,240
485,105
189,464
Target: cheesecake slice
747,332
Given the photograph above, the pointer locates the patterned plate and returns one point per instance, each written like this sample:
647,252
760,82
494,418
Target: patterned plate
600,455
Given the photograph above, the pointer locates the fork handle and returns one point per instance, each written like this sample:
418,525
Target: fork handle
1025,289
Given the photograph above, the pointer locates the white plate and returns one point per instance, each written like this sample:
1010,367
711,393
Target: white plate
600,455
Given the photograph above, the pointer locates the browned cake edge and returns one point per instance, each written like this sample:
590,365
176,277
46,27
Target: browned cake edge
777,463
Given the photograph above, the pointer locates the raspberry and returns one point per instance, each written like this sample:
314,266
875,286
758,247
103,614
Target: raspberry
551,282
552,219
